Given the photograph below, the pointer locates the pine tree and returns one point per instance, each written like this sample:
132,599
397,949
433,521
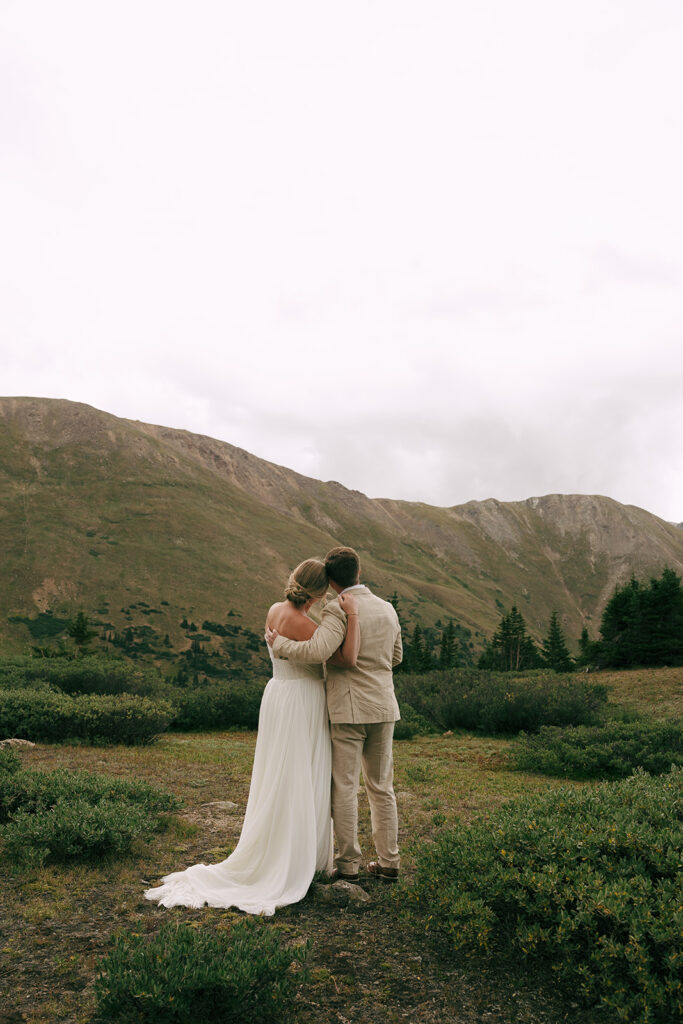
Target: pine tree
554,648
511,649
449,647
80,633
643,625
587,649
427,661
416,650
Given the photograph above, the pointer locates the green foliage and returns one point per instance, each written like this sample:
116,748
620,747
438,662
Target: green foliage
86,675
501,702
411,723
207,705
417,652
587,649
45,716
586,882
554,651
74,831
64,816
9,762
643,625
80,632
184,974
34,792
448,651
43,625
419,648
511,649
217,707
610,751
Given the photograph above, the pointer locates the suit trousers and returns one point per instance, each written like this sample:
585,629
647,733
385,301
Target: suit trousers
369,746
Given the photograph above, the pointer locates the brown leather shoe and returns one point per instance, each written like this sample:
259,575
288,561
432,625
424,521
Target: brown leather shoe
384,874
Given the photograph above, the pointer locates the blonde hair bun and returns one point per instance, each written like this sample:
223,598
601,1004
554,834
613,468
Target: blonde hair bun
307,581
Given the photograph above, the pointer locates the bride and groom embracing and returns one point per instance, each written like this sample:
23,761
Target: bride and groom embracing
328,709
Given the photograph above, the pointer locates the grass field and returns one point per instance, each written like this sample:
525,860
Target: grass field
366,963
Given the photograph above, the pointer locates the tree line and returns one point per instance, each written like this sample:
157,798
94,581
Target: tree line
642,625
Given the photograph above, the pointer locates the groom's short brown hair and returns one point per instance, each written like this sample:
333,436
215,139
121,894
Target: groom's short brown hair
343,566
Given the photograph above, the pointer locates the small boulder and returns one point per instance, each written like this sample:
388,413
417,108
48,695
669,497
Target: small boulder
14,742
341,894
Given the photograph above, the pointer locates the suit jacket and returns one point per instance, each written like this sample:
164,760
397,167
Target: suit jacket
363,694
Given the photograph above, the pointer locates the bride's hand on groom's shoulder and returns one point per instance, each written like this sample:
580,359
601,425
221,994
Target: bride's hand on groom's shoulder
348,604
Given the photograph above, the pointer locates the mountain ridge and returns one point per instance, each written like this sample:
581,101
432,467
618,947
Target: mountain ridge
98,508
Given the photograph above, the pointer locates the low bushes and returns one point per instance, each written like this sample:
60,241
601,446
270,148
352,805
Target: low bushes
586,882
492,702
610,751
64,816
9,763
43,715
94,687
184,974
82,675
34,791
74,831
217,707
411,723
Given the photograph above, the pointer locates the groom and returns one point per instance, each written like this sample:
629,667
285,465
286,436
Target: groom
362,708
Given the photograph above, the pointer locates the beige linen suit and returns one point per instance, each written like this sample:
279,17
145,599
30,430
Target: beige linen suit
362,707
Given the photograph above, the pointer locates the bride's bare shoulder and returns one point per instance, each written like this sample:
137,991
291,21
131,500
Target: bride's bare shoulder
289,621
275,612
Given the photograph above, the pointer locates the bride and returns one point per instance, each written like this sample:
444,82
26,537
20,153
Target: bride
287,833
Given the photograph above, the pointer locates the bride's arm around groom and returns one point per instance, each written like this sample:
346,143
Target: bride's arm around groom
328,638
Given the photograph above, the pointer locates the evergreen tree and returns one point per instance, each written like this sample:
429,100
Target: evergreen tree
427,661
643,625
449,647
416,650
554,648
511,649
80,632
587,649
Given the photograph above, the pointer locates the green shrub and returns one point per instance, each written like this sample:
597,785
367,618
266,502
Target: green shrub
586,882
411,723
46,716
9,761
217,707
91,674
63,816
184,974
75,830
492,702
34,792
609,751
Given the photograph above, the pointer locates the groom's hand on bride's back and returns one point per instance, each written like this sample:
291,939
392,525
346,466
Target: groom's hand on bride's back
271,636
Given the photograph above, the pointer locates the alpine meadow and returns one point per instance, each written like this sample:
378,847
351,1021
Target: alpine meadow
538,757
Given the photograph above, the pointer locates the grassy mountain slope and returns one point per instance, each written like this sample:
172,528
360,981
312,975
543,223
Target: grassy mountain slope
111,514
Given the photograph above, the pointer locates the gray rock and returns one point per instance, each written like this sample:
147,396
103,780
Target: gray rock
221,806
341,894
14,742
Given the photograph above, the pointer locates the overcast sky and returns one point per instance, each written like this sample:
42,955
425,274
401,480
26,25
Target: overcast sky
433,250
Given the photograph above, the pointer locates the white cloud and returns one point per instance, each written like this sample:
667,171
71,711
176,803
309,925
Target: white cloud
431,251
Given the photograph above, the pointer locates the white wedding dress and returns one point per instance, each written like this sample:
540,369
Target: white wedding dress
287,830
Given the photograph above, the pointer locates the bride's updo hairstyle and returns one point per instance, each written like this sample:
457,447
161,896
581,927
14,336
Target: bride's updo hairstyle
308,580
